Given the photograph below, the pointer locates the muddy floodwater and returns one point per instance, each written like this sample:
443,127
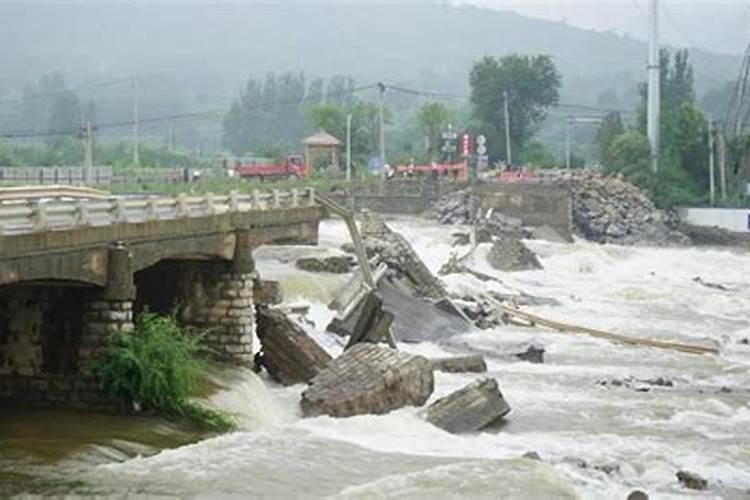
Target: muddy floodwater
595,412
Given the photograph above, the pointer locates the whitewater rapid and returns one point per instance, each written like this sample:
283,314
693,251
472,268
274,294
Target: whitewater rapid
628,439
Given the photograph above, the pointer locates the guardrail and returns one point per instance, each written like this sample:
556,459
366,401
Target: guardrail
39,215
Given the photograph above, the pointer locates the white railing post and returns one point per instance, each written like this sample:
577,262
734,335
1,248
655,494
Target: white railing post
151,211
82,213
257,204
295,198
234,202
311,196
39,220
182,205
118,211
208,201
276,198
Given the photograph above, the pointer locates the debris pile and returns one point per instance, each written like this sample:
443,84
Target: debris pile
606,209
462,207
612,210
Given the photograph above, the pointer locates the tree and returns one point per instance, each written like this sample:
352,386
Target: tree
532,84
682,175
610,129
328,117
433,118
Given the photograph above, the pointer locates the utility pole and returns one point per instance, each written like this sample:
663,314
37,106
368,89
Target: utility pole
88,152
171,137
711,180
654,77
349,148
723,167
381,125
506,112
136,119
568,124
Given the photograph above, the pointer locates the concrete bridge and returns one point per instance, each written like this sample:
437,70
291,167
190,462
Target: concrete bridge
73,271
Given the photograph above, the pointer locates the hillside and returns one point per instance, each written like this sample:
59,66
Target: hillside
197,56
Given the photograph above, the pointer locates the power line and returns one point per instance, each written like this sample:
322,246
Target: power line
34,97
435,94
171,117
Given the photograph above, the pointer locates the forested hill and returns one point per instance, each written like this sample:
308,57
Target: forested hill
207,50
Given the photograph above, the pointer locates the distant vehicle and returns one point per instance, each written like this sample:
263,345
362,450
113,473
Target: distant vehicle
292,167
459,171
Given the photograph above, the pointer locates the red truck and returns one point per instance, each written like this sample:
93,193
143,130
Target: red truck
293,167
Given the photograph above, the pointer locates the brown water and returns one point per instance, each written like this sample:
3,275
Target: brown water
46,450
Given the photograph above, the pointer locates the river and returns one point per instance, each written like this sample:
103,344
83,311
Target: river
631,436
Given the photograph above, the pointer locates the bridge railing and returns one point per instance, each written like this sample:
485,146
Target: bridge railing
59,213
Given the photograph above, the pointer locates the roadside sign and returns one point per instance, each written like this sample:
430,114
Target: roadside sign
481,149
466,145
481,140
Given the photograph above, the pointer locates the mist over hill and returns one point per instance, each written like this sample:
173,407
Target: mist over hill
194,55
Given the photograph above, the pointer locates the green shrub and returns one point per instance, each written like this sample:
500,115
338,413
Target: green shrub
157,367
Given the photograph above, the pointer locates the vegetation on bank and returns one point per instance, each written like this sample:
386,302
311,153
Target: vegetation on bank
157,367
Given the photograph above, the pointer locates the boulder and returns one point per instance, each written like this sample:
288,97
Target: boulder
460,364
691,480
369,379
509,254
637,495
471,408
335,265
532,354
289,355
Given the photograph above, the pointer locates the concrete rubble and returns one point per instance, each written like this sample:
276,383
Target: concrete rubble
369,379
288,354
474,363
508,254
469,409
606,209
610,209
334,265
691,480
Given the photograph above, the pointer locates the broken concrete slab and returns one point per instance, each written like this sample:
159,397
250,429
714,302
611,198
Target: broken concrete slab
469,409
289,355
373,324
369,379
461,364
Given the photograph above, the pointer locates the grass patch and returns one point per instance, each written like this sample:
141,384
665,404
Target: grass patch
157,367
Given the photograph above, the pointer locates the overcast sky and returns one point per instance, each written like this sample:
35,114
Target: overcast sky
718,25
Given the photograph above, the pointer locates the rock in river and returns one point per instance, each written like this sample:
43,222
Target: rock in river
471,408
369,379
508,254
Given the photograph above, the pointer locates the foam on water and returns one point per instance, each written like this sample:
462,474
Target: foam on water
560,409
